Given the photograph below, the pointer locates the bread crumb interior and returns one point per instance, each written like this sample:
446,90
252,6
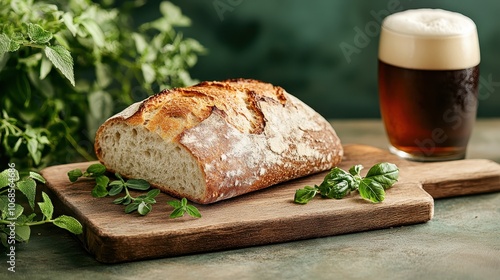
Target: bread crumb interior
137,153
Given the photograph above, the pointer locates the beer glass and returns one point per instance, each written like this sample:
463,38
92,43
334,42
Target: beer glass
428,75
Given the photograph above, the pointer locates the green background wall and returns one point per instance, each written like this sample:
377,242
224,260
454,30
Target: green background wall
296,44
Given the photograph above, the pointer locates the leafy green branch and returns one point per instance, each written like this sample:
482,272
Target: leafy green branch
338,183
181,207
34,139
143,203
66,66
15,223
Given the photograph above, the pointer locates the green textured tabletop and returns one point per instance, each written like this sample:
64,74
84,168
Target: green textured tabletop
462,241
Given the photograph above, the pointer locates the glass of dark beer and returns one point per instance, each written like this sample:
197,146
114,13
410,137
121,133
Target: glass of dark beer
428,77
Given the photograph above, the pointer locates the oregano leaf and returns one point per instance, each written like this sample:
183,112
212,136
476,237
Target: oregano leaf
17,145
7,176
138,184
99,191
62,60
68,21
68,223
131,207
28,187
184,202
177,213
45,67
23,233
4,43
193,211
119,200
104,75
127,200
149,200
140,42
38,35
35,154
153,193
95,31
96,169
46,206
13,215
102,181
144,208
37,177
148,73
74,174
173,14
174,203
115,189
116,183
14,46
119,177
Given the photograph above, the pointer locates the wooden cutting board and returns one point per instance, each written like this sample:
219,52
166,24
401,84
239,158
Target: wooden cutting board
267,216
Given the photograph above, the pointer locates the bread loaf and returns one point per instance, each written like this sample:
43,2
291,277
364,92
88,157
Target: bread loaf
217,140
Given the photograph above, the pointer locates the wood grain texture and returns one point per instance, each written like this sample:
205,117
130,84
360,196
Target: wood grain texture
266,216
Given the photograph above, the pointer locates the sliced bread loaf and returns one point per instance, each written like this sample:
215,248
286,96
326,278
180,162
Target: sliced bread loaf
217,140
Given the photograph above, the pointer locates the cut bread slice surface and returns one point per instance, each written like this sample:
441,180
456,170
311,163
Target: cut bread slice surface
135,152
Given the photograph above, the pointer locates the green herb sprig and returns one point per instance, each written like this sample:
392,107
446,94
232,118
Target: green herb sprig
13,214
181,207
143,204
338,183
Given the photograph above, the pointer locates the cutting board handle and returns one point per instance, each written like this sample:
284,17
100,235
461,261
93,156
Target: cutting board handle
455,178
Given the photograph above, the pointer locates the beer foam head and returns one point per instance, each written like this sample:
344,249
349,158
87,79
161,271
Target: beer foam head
429,39
432,22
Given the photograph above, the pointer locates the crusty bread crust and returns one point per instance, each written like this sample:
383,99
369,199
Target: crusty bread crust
243,135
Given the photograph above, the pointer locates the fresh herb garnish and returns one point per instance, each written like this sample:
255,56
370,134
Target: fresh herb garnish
143,204
15,222
338,183
181,207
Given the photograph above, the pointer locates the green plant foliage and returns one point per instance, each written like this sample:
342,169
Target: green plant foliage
66,66
15,220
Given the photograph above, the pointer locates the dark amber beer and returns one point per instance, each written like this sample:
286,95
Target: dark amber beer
428,83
